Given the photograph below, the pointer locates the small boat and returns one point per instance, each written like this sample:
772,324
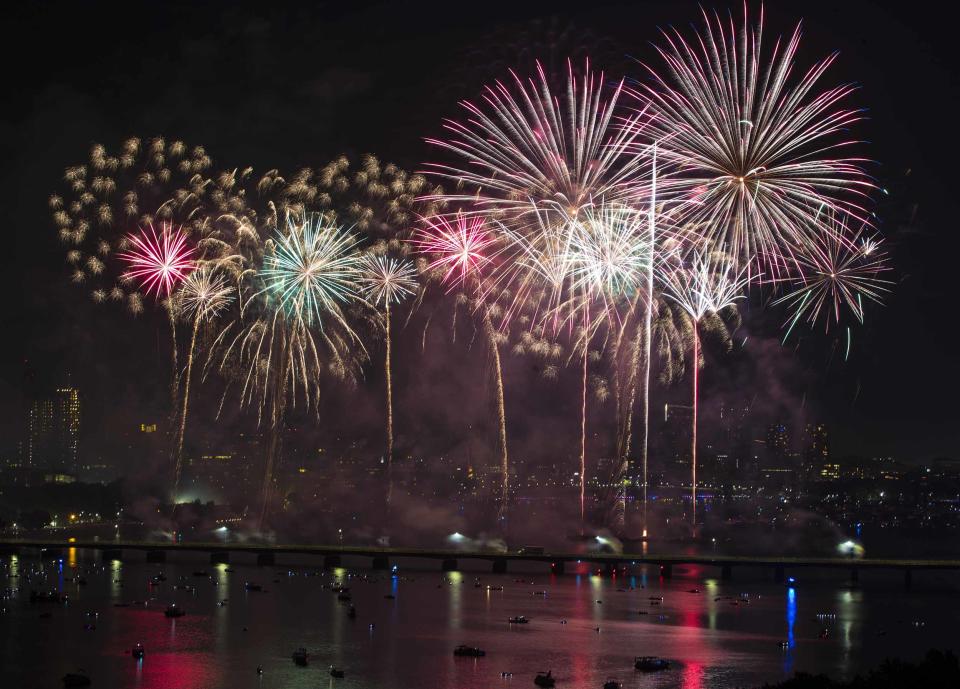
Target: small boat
784,644
76,679
252,586
544,679
336,672
694,591
201,573
344,597
463,651
173,611
494,588
651,663
612,684
519,619
390,596
352,613
138,652
301,657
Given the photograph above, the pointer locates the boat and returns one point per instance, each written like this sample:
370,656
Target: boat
651,663
784,644
173,611
344,597
612,684
336,672
201,573
76,679
494,588
252,586
301,657
138,652
390,596
464,651
544,679
352,613
519,619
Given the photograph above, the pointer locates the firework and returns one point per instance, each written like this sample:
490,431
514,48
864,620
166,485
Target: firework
388,281
158,262
758,155
524,146
458,248
609,252
706,287
294,325
203,295
459,251
837,272
312,269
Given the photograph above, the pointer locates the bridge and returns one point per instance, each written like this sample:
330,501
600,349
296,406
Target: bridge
380,557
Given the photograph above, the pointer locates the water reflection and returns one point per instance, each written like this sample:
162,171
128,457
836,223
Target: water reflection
454,582
791,623
714,639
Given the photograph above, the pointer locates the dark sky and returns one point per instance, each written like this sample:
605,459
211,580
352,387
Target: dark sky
271,84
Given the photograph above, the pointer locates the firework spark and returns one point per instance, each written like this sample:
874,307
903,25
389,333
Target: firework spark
459,248
205,293
610,252
313,267
525,146
758,156
158,262
836,272
387,281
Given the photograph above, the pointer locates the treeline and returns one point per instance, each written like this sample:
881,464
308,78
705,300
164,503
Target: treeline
939,670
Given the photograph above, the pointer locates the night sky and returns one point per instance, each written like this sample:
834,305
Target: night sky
283,86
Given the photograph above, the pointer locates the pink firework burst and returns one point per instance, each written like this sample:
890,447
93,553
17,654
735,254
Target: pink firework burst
158,262
459,248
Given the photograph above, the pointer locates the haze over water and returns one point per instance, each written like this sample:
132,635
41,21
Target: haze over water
712,639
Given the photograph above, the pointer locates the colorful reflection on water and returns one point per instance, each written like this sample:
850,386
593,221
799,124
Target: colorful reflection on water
585,628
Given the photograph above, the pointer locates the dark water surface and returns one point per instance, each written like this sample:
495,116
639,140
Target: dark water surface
407,642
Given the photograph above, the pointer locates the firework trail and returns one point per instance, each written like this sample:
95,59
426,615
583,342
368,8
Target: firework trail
647,340
758,156
459,251
202,297
609,259
838,271
706,287
387,281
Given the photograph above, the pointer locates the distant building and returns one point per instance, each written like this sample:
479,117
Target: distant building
816,453
53,433
829,472
778,443
677,438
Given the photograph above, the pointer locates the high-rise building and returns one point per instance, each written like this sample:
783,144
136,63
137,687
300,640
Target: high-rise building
778,443
677,436
816,454
53,432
